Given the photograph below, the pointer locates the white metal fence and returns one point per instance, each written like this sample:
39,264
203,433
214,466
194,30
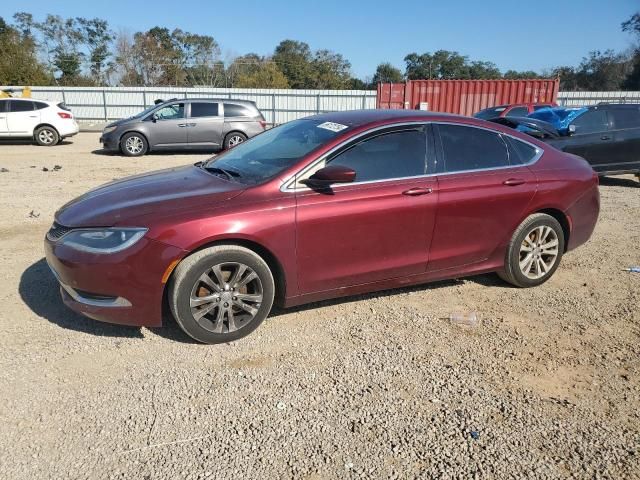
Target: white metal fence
278,105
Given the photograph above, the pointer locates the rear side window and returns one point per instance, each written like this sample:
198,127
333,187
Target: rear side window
391,155
538,107
488,113
21,106
40,105
235,110
591,121
4,104
518,112
204,109
519,152
470,148
628,117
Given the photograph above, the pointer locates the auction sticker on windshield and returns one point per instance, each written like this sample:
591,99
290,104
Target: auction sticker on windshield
334,127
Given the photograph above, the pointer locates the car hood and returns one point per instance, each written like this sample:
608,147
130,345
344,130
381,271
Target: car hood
160,193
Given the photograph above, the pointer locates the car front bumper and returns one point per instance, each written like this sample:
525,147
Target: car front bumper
124,288
110,141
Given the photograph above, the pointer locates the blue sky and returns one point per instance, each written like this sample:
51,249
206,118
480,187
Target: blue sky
513,34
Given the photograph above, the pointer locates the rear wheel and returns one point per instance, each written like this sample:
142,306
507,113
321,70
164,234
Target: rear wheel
133,144
46,136
534,252
233,139
221,294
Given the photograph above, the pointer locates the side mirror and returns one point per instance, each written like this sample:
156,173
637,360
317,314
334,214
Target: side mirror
154,117
329,175
571,129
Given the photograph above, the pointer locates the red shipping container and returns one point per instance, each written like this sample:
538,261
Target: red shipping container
464,97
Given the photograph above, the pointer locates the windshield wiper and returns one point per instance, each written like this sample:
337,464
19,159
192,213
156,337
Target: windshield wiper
229,174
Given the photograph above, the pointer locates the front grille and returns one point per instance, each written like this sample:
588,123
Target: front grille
57,231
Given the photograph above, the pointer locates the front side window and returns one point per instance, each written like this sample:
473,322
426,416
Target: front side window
171,112
391,155
4,105
204,109
470,148
21,106
272,152
590,122
235,110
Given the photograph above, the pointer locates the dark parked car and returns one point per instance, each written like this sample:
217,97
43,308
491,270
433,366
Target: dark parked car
331,205
607,136
513,110
196,123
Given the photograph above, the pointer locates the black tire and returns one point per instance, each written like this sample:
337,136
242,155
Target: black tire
512,273
46,136
133,144
186,279
232,139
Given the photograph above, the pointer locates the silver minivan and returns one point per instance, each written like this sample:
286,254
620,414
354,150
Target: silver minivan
194,123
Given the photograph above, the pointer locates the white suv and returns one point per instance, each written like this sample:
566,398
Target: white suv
46,122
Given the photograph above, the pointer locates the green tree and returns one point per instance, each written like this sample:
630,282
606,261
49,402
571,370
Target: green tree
294,60
385,72
19,64
330,70
603,71
97,37
516,75
263,74
632,26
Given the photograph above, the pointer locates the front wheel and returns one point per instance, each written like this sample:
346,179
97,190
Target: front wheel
46,136
535,250
221,294
233,139
133,145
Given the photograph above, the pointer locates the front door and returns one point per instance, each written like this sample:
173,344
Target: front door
22,118
169,126
592,139
484,188
378,227
205,125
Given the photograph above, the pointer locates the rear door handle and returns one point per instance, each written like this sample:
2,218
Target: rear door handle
192,124
33,116
182,124
512,182
414,192
605,137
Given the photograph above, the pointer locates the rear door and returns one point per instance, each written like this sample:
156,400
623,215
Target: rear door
168,126
592,139
625,136
4,106
484,187
22,118
205,125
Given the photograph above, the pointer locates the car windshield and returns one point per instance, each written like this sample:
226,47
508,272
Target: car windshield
488,113
273,151
145,111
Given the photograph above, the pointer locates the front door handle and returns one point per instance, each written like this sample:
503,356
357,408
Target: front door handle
605,137
33,116
512,182
414,192
182,124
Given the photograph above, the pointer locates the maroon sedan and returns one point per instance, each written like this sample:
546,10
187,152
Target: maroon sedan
332,205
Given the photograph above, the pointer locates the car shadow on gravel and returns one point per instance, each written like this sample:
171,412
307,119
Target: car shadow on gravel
27,141
41,292
619,182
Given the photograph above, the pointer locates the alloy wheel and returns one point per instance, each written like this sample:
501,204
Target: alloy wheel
226,297
134,145
538,252
235,140
46,137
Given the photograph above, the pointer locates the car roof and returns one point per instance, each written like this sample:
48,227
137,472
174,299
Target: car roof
355,118
225,100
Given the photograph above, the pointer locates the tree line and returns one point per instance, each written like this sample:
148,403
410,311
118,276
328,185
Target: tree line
87,52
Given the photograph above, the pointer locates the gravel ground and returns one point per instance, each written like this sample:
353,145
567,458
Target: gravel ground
376,386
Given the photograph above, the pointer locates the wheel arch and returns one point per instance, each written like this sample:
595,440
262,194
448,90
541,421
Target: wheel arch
45,124
266,254
231,132
146,139
562,219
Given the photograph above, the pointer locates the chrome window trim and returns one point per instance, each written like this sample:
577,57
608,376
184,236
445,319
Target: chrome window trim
288,185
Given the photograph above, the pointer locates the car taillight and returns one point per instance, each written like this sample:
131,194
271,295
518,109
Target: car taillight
263,124
64,115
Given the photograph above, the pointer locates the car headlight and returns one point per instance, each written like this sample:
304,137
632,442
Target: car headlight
109,129
103,240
